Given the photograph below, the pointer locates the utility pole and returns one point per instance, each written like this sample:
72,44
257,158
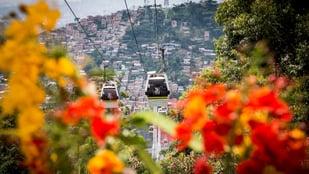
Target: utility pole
163,69
104,72
156,140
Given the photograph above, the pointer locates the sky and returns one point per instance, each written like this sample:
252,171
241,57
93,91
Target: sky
84,8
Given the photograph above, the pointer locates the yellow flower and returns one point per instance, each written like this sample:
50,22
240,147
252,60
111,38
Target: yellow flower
296,138
21,31
40,13
26,60
269,169
54,157
7,55
56,68
22,94
105,162
30,121
66,67
297,134
244,148
50,68
248,114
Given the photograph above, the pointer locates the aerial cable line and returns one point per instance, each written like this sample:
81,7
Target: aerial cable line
83,28
156,21
136,43
156,28
163,68
132,28
85,31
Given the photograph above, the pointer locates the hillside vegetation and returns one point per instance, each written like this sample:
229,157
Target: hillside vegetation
182,28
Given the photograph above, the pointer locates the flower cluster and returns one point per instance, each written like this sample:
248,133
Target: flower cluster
250,122
90,108
26,60
105,162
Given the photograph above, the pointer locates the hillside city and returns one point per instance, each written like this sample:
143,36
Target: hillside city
108,41
107,34
110,35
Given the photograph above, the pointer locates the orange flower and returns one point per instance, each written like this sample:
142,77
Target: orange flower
195,115
105,162
195,110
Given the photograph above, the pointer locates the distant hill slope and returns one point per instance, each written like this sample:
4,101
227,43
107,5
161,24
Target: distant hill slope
186,30
190,27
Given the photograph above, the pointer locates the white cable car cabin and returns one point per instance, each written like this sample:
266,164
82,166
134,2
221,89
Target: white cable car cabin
109,95
157,89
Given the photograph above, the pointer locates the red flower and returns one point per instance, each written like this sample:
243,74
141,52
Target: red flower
250,166
227,111
268,146
223,129
273,147
238,139
211,94
84,107
212,141
202,167
265,99
101,128
183,134
214,93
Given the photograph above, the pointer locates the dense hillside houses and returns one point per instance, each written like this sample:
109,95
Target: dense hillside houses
109,41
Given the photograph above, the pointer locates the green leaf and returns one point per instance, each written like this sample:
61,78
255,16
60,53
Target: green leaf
133,140
148,161
139,145
165,124
196,143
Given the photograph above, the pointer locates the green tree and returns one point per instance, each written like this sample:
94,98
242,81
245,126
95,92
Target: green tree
107,74
124,94
10,154
283,25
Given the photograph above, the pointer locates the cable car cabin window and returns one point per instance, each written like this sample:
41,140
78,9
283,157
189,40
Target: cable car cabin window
109,94
157,87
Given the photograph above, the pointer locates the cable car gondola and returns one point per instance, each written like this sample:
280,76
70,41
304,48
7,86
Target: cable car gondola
157,89
109,94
